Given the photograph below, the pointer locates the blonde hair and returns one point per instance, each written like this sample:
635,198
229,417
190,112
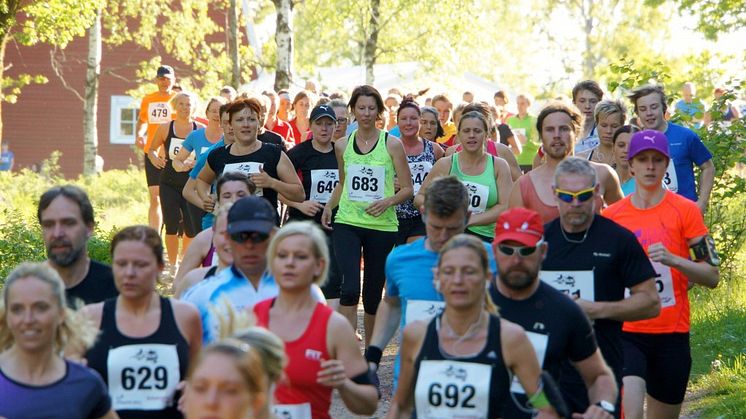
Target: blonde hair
75,331
192,98
247,359
477,246
318,244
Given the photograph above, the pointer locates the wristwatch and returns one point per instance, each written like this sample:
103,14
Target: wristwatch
607,406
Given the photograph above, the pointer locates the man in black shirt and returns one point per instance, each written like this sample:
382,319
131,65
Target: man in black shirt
556,327
593,260
66,218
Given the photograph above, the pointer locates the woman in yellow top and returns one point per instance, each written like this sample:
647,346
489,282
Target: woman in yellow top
366,219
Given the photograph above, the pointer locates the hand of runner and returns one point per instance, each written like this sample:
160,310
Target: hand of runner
157,160
140,141
262,179
396,184
377,208
309,208
593,412
332,373
208,204
326,218
657,252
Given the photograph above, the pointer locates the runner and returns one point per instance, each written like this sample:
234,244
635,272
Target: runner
283,110
366,219
301,108
155,109
7,158
559,126
689,106
460,363
557,328
685,146
65,216
273,122
609,116
35,380
320,344
524,129
343,118
486,177
145,340
410,292
265,135
657,355
594,260
317,167
199,141
585,96
621,164
268,167
444,107
501,104
430,127
421,156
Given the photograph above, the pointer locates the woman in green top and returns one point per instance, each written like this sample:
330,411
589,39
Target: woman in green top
487,178
366,219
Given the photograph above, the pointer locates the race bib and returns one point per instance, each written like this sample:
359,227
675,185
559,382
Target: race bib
419,171
143,376
248,167
292,411
583,147
539,342
578,284
452,389
478,196
159,113
365,183
664,284
323,183
174,148
670,180
422,310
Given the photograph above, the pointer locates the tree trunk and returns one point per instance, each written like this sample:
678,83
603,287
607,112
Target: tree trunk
588,59
284,40
233,44
371,45
90,129
4,37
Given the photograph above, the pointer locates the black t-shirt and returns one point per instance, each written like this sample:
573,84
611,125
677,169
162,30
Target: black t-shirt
98,285
268,156
614,259
269,137
318,173
555,325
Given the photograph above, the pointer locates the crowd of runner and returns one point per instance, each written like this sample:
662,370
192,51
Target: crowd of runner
532,265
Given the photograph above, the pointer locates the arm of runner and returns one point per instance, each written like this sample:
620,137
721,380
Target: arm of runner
600,382
701,273
643,303
506,154
504,182
706,180
190,325
180,159
440,168
612,188
326,216
516,198
190,193
288,184
388,317
360,399
158,139
205,178
399,158
193,256
403,402
309,208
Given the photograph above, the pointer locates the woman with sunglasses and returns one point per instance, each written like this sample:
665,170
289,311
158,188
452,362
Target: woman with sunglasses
486,177
460,363
322,351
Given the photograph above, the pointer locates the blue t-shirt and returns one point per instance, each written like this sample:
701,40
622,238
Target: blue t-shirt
81,393
6,161
628,187
200,163
197,141
396,132
686,150
409,276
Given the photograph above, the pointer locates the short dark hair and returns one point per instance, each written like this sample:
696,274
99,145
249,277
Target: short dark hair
234,176
588,85
72,193
570,110
645,90
625,129
445,196
501,94
370,91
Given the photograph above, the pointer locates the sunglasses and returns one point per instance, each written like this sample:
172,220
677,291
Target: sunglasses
253,236
522,250
582,196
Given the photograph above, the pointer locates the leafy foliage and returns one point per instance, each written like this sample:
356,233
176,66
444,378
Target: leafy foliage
714,17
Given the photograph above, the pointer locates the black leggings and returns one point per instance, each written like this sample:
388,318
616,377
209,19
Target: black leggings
376,245
176,209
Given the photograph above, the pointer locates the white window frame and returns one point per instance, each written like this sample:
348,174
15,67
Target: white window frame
119,102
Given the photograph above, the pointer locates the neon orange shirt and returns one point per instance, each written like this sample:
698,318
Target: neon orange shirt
673,222
155,109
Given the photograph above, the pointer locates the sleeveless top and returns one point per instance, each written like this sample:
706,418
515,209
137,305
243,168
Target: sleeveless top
483,193
299,395
141,373
211,258
169,175
475,386
420,166
368,178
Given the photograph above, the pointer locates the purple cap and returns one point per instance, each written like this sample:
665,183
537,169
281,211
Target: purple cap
648,140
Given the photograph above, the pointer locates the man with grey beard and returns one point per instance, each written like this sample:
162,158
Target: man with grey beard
66,218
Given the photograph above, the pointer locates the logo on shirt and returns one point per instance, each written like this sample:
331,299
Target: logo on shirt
567,280
147,356
539,326
491,355
602,255
313,355
455,372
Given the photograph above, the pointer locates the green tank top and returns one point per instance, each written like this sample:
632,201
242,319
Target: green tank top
368,178
483,193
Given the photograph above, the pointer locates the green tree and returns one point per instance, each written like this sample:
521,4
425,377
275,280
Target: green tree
714,17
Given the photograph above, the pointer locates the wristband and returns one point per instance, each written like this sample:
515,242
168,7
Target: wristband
373,354
539,399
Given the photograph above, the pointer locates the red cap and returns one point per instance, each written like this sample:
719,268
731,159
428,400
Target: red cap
520,224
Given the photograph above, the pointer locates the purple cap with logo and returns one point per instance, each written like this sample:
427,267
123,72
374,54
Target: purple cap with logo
648,140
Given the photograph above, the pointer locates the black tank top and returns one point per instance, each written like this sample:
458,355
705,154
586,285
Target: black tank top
448,386
141,373
169,175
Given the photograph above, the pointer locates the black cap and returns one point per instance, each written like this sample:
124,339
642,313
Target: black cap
322,111
166,71
251,214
